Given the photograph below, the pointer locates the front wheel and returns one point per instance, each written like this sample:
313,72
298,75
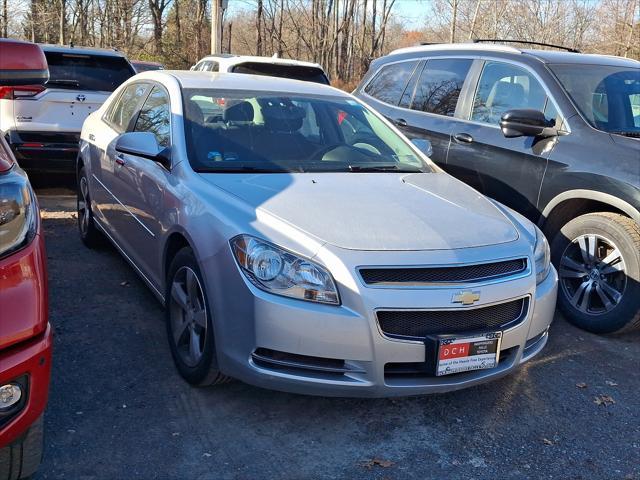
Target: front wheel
22,458
597,256
189,325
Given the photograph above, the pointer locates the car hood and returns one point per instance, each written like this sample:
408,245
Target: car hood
375,211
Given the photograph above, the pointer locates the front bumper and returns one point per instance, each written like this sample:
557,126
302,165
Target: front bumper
307,348
31,359
52,152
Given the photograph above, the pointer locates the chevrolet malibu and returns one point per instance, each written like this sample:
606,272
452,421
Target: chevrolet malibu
299,242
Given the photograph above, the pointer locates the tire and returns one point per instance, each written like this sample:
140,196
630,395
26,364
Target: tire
189,325
89,233
22,458
601,297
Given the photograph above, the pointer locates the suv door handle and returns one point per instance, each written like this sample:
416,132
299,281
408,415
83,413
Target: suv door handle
400,122
120,159
463,138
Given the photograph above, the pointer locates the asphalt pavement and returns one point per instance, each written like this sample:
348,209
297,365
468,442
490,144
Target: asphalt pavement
119,410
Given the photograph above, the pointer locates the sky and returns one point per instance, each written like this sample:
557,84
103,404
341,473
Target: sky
411,11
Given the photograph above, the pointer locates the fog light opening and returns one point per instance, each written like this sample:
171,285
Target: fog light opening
10,395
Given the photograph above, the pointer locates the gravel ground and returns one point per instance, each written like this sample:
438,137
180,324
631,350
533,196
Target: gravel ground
118,408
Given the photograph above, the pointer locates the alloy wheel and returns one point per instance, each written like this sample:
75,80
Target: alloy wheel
593,274
188,316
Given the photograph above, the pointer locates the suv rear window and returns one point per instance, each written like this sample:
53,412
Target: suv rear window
390,83
87,72
295,72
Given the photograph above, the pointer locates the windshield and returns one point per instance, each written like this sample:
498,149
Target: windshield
87,72
263,132
295,72
608,97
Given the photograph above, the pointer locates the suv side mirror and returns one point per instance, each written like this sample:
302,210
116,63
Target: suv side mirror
423,145
526,123
145,145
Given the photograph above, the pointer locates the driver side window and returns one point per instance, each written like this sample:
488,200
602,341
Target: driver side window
504,87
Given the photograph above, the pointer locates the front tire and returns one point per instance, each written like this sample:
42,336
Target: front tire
597,256
22,458
189,324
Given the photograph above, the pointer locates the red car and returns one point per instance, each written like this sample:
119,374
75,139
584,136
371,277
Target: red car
25,332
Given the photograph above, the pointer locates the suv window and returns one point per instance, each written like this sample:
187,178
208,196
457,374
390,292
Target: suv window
439,86
155,116
296,72
390,82
607,96
124,108
504,87
87,72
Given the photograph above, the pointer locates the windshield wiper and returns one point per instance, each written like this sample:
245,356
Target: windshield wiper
64,83
634,134
391,167
243,169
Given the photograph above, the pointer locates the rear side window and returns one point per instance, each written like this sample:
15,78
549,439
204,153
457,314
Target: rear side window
295,72
506,87
439,86
390,82
125,107
155,116
87,72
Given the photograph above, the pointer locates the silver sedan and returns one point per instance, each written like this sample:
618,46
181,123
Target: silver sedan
299,242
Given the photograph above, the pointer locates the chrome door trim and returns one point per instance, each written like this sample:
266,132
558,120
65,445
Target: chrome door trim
123,206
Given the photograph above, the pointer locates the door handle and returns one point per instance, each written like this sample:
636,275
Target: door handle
401,122
120,159
463,138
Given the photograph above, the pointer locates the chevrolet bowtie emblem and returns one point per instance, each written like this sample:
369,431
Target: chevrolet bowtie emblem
466,298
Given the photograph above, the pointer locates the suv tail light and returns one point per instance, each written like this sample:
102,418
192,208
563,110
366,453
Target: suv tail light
24,91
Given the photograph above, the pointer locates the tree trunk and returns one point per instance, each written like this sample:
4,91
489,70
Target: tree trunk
454,16
259,27
62,20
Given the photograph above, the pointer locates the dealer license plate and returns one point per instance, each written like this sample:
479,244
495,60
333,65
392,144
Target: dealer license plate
462,354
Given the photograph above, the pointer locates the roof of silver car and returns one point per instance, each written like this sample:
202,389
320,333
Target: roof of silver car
242,81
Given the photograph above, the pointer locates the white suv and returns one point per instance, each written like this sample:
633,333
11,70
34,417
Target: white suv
269,66
42,123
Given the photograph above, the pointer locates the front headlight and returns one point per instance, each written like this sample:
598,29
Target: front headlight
278,271
541,256
18,221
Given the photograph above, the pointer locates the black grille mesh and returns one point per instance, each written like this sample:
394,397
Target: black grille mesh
466,273
420,323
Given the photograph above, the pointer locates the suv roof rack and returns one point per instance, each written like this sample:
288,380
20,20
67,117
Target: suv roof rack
526,42
434,47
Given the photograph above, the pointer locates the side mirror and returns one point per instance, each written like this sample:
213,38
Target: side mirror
526,123
144,145
423,145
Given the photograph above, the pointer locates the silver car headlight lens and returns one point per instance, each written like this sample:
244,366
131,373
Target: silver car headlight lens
18,220
279,271
541,256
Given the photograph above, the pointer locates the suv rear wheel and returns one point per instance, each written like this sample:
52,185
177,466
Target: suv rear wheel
598,260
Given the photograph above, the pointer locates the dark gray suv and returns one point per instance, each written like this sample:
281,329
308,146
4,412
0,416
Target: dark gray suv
554,135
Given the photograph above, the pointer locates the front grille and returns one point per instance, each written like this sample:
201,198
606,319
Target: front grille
420,323
429,275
